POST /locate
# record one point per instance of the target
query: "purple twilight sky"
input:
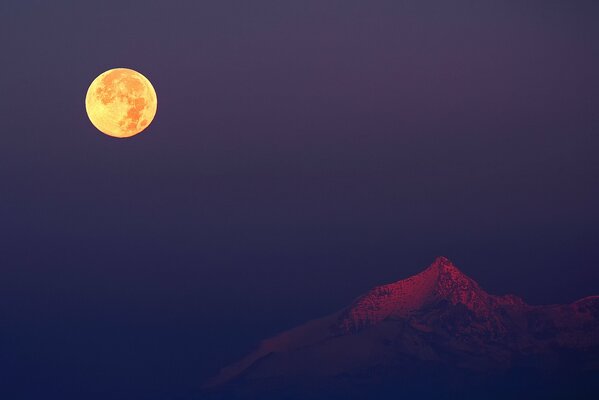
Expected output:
(303, 152)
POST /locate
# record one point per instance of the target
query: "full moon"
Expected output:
(121, 102)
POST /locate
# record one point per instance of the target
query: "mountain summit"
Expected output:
(438, 323)
(442, 281)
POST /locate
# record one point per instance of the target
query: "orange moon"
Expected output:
(121, 102)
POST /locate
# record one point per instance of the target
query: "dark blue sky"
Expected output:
(302, 153)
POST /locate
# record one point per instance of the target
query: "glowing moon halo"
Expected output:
(121, 102)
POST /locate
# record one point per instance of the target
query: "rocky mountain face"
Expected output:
(433, 333)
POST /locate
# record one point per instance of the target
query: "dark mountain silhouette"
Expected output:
(432, 335)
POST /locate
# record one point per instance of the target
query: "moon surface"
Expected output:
(121, 102)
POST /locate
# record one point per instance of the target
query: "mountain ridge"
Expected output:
(438, 318)
(441, 280)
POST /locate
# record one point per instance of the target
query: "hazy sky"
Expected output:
(303, 152)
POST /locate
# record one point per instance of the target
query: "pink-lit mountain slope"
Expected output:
(439, 318)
